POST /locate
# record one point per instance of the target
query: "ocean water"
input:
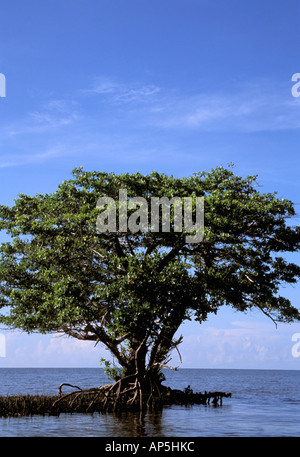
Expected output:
(264, 403)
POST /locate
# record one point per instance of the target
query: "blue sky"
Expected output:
(171, 85)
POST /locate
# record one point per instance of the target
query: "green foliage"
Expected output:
(58, 274)
(112, 372)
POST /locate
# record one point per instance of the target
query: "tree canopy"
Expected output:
(132, 291)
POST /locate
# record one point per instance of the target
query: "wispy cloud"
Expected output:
(248, 107)
(118, 93)
(26, 159)
(56, 113)
(129, 116)
(248, 110)
(51, 115)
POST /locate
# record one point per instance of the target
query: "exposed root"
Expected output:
(66, 384)
(128, 393)
(110, 398)
(124, 395)
(76, 393)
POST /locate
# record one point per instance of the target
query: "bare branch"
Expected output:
(98, 253)
(122, 338)
(266, 313)
(249, 279)
(164, 365)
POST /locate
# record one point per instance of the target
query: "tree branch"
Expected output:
(89, 333)
(130, 246)
(119, 248)
(168, 257)
(122, 338)
(265, 313)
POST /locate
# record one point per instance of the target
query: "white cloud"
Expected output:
(242, 345)
(37, 350)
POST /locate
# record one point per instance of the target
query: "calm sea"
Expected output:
(263, 403)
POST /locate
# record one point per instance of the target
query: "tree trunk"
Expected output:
(137, 361)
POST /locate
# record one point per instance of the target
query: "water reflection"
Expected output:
(134, 424)
(85, 425)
